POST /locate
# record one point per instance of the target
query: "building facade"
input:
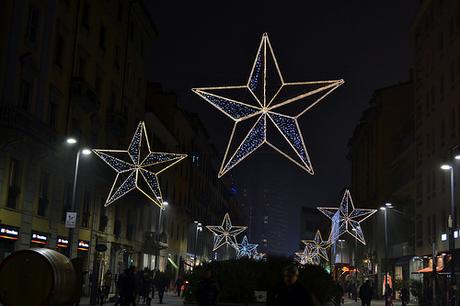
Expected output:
(382, 154)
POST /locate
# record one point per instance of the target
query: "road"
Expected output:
(169, 299)
(374, 303)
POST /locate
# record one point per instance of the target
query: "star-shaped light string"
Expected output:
(307, 256)
(318, 245)
(137, 168)
(246, 249)
(347, 219)
(226, 233)
(267, 109)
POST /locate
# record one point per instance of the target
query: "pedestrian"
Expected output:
(161, 282)
(178, 285)
(207, 290)
(290, 292)
(365, 293)
(405, 296)
(338, 298)
(354, 291)
(127, 287)
(107, 283)
(388, 295)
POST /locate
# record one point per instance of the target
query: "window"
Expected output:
(441, 89)
(86, 212)
(24, 94)
(43, 199)
(452, 123)
(120, 11)
(59, 50)
(102, 37)
(14, 183)
(32, 24)
(433, 183)
(81, 67)
(433, 218)
(443, 132)
(428, 229)
(131, 31)
(53, 107)
(116, 62)
(85, 16)
(419, 233)
(67, 200)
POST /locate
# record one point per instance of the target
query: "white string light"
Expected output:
(307, 256)
(226, 233)
(346, 220)
(246, 249)
(318, 245)
(266, 110)
(138, 168)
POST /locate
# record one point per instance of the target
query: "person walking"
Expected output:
(388, 295)
(207, 290)
(178, 285)
(127, 287)
(161, 282)
(405, 296)
(338, 298)
(290, 292)
(365, 293)
(107, 283)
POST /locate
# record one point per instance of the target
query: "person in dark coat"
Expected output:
(365, 294)
(405, 296)
(127, 287)
(290, 292)
(178, 285)
(161, 282)
(207, 290)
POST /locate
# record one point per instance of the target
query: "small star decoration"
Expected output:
(347, 219)
(226, 233)
(318, 245)
(137, 168)
(246, 249)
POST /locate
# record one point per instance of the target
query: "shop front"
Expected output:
(8, 237)
(62, 245)
(38, 240)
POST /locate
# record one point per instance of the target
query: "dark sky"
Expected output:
(211, 43)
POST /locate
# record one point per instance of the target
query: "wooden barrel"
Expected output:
(35, 277)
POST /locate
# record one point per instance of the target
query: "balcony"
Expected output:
(16, 118)
(116, 124)
(84, 97)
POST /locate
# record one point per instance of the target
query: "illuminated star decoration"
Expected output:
(137, 169)
(246, 249)
(307, 256)
(267, 108)
(347, 219)
(318, 245)
(226, 233)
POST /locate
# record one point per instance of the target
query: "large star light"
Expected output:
(271, 93)
(318, 245)
(246, 249)
(129, 173)
(347, 219)
(226, 233)
(307, 256)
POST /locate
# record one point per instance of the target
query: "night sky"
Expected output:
(213, 43)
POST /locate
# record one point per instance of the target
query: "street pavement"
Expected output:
(169, 299)
(374, 303)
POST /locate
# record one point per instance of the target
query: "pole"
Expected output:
(453, 226)
(386, 255)
(434, 272)
(73, 203)
(157, 250)
(196, 242)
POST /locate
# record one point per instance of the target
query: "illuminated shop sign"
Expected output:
(62, 242)
(9, 232)
(39, 238)
(83, 245)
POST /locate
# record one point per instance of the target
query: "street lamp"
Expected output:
(157, 253)
(199, 228)
(341, 241)
(385, 209)
(452, 224)
(85, 151)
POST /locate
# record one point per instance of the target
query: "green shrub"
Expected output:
(239, 278)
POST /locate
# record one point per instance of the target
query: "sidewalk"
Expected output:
(169, 299)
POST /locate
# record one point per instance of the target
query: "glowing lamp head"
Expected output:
(457, 156)
(71, 140)
(446, 167)
(383, 208)
(86, 151)
(165, 203)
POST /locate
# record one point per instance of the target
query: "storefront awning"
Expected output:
(428, 270)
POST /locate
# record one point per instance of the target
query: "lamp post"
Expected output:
(157, 249)
(199, 228)
(73, 208)
(452, 224)
(385, 209)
